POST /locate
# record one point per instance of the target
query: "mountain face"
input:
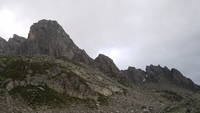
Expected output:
(133, 76)
(3, 46)
(165, 76)
(48, 73)
(45, 38)
(48, 38)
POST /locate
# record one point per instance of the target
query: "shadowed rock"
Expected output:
(47, 37)
(3, 46)
(14, 44)
(133, 75)
(106, 65)
(165, 77)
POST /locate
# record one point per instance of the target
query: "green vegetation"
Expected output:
(38, 95)
(43, 95)
(17, 68)
(103, 100)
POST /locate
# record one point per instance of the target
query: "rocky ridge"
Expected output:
(49, 64)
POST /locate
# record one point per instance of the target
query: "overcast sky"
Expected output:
(132, 32)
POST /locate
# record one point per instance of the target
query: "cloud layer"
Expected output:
(133, 32)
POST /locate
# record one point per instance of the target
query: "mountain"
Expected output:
(48, 73)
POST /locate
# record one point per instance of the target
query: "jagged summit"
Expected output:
(14, 44)
(47, 29)
(166, 78)
(47, 37)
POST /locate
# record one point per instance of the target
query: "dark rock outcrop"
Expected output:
(157, 73)
(157, 77)
(166, 77)
(106, 65)
(134, 76)
(3, 46)
(14, 44)
(48, 38)
(183, 81)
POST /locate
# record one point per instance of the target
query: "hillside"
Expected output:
(49, 73)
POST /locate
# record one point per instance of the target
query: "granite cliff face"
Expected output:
(47, 70)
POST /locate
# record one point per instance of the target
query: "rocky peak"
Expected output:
(47, 29)
(17, 39)
(47, 37)
(14, 44)
(179, 79)
(133, 75)
(156, 73)
(158, 69)
(163, 75)
(106, 65)
(3, 46)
